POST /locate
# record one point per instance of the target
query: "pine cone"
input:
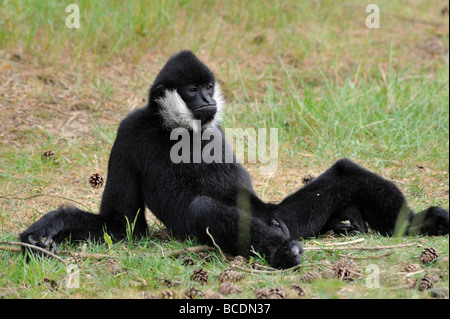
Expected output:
(439, 292)
(412, 268)
(194, 292)
(167, 294)
(169, 283)
(428, 255)
(188, 261)
(228, 288)
(327, 273)
(230, 275)
(298, 289)
(309, 276)
(272, 293)
(147, 295)
(346, 269)
(307, 178)
(200, 275)
(427, 282)
(257, 266)
(96, 180)
(237, 261)
(48, 155)
(205, 257)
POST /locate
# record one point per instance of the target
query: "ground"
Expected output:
(331, 86)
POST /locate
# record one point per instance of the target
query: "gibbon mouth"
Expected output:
(208, 108)
(205, 113)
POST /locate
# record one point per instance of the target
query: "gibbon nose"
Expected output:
(207, 98)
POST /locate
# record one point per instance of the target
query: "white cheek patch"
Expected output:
(174, 111)
(220, 103)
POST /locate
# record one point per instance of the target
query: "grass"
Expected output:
(141, 270)
(332, 87)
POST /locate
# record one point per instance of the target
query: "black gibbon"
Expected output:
(191, 196)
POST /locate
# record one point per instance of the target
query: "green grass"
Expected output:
(140, 269)
(377, 120)
(332, 87)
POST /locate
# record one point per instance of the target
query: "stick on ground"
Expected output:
(15, 243)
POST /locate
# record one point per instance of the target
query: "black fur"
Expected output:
(191, 197)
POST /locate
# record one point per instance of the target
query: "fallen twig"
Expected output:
(214, 242)
(409, 274)
(87, 255)
(16, 243)
(346, 242)
(261, 271)
(366, 257)
(13, 249)
(65, 252)
(196, 249)
(277, 271)
(360, 248)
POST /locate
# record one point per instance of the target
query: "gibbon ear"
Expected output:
(158, 91)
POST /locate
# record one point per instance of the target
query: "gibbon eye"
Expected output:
(209, 87)
(192, 90)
